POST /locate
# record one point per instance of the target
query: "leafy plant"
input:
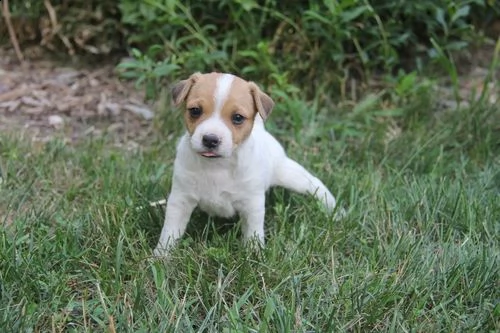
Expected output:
(312, 41)
(146, 71)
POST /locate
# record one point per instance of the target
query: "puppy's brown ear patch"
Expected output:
(181, 89)
(263, 103)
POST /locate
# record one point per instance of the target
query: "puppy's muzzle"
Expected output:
(210, 141)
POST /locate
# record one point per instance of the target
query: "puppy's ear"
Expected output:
(263, 103)
(181, 89)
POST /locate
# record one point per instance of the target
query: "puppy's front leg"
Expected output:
(295, 177)
(177, 214)
(252, 214)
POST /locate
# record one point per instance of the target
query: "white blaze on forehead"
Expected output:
(223, 86)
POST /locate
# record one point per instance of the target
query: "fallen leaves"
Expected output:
(47, 98)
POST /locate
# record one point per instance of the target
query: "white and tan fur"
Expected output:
(245, 161)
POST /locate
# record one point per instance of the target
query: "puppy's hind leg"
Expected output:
(295, 177)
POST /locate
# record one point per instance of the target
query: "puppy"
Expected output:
(226, 160)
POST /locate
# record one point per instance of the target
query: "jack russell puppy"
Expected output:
(226, 160)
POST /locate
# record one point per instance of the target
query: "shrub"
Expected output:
(271, 41)
(312, 41)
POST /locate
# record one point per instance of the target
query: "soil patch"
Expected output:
(43, 98)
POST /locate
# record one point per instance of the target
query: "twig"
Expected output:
(56, 27)
(162, 202)
(14, 94)
(12, 32)
(111, 326)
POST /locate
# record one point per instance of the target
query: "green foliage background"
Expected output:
(270, 41)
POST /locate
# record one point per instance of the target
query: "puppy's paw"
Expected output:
(254, 248)
(329, 204)
(161, 253)
(327, 200)
(339, 214)
(254, 243)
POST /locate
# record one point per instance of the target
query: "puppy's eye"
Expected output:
(237, 119)
(195, 112)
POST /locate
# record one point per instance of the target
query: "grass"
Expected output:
(418, 250)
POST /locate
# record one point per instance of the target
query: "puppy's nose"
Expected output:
(210, 141)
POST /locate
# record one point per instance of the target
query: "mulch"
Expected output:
(43, 98)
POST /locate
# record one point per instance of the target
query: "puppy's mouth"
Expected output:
(210, 154)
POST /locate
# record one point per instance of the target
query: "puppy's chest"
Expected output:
(219, 192)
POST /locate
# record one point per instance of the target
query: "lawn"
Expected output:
(418, 250)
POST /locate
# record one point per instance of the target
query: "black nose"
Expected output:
(210, 141)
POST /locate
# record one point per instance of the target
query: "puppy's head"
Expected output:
(220, 110)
